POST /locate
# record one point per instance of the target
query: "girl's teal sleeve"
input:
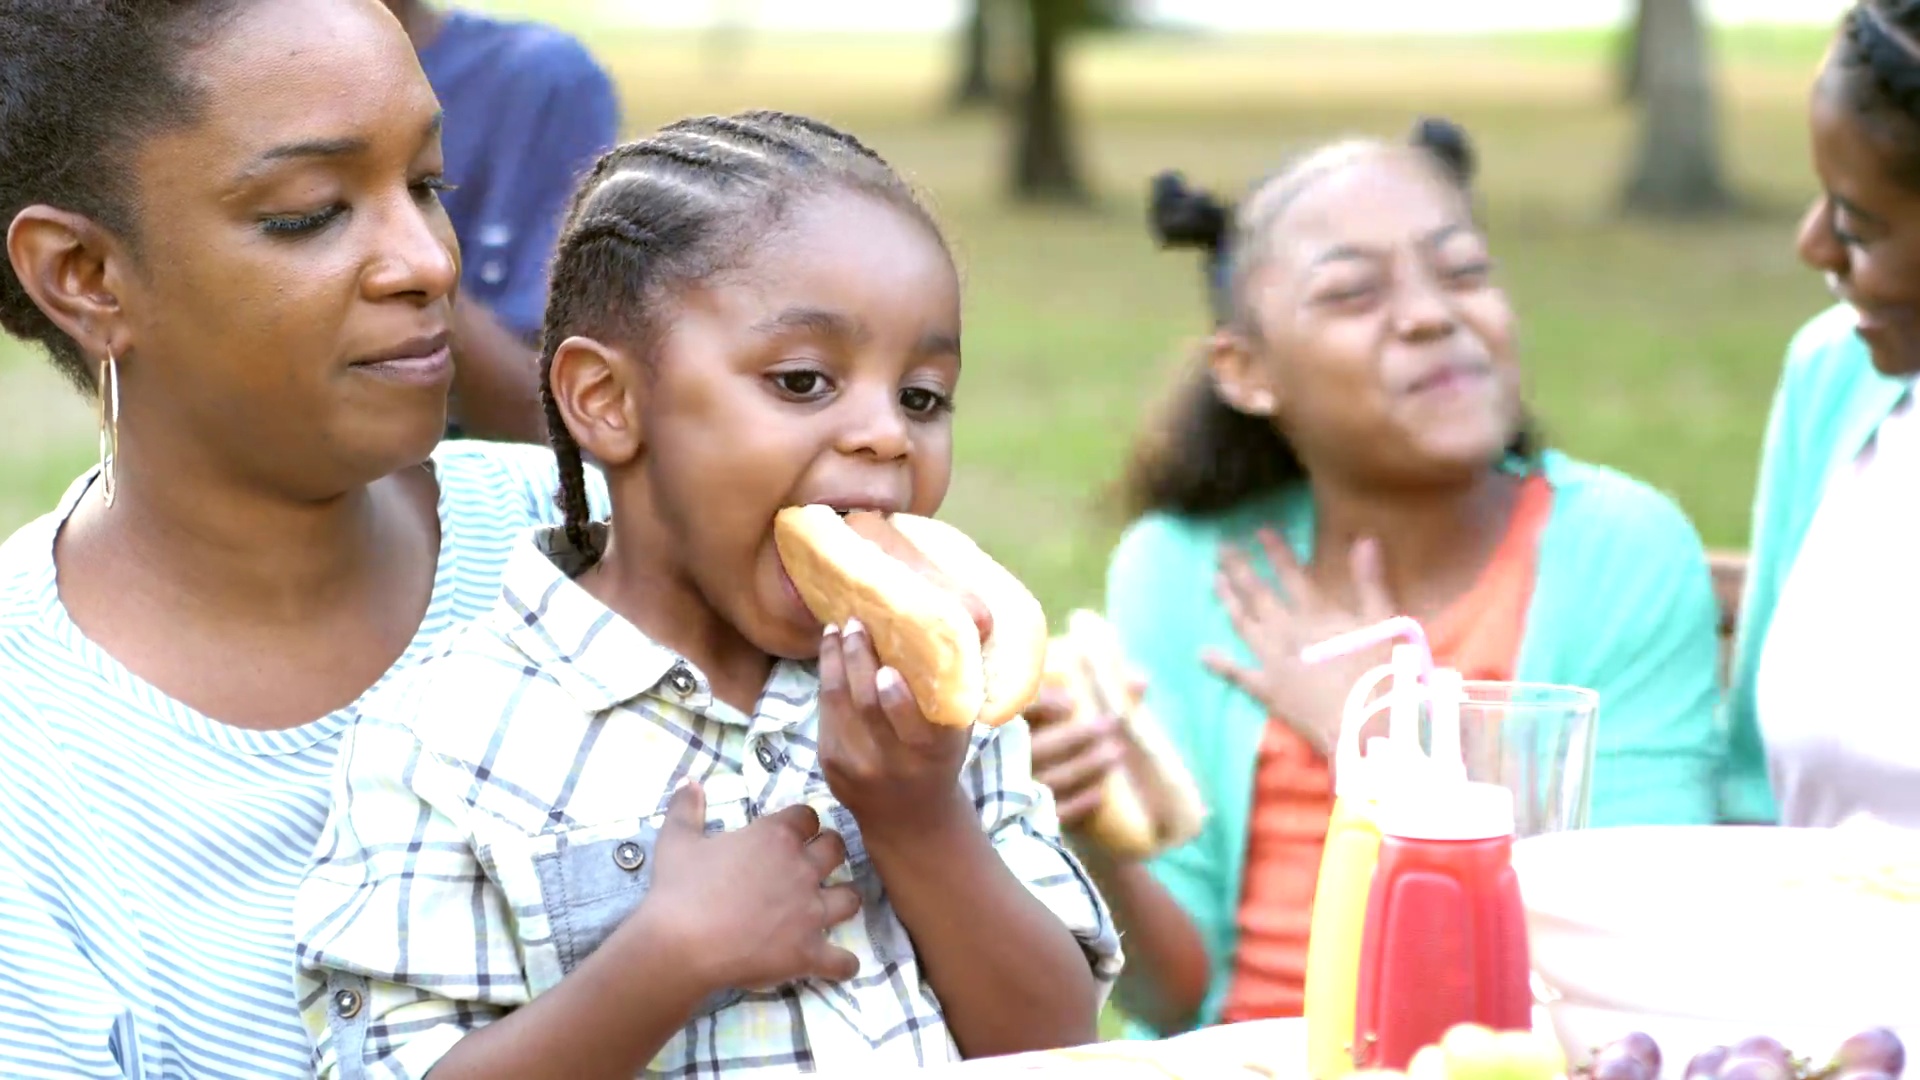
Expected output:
(1158, 587)
(1625, 606)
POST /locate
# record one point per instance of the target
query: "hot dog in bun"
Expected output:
(1150, 802)
(967, 637)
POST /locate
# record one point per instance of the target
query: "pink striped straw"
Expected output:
(1397, 628)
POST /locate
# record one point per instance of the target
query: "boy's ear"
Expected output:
(600, 390)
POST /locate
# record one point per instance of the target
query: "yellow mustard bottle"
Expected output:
(1347, 862)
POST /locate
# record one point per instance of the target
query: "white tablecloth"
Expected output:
(1264, 1048)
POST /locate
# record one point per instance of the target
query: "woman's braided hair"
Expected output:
(675, 208)
(1206, 457)
(1877, 53)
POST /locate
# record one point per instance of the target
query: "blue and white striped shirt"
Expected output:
(148, 854)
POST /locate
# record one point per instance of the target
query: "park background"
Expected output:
(1652, 330)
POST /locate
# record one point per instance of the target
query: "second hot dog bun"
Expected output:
(1150, 802)
(924, 620)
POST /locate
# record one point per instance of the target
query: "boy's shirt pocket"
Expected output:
(570, 888)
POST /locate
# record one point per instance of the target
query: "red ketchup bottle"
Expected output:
(1445, 940)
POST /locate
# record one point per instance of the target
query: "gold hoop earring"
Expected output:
(109, 424)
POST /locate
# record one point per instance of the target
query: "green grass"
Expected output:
(1652, 348)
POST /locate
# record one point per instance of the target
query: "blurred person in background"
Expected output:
(1819, 703)
(1356, 436)
(528, 111)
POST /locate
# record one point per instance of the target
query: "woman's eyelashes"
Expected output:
(809, 385)
(291, 225)
(426, 191)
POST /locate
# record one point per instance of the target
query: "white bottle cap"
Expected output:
(1434, 809)
(1356, 776)
(1409, 694)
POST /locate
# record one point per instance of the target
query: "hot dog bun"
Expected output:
(1150, 803)
(921, 627)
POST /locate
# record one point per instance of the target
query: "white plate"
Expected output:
(1700, 936)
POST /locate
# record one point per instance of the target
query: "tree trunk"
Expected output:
(1632, 59)
(975, 85)
(1676, 171)
(1045, 168)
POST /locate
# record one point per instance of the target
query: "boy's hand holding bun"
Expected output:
(927, 642)
(895, 771)
(926, 636)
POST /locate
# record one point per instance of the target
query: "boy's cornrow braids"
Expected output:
(666, 209)
(609, 163)
(711, 166)
(576, 511)
(602, 227)
(731, 132)
(827, 132)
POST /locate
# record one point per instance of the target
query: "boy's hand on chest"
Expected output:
(746, 908)
(897, 773)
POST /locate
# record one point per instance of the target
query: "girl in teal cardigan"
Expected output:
(1353, 281)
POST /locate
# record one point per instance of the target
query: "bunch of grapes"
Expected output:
(1876, 1054)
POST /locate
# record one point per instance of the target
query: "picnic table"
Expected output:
(1257, 1050)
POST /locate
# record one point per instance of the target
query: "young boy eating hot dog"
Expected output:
(588, 839)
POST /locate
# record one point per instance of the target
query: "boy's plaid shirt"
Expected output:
(494, 818)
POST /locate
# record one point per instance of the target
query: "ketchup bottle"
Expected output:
(1445, 940)
(1351, 852)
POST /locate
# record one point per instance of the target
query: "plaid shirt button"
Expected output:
(347, 1004)
(629, 856)
(681, 680)
(768, 758)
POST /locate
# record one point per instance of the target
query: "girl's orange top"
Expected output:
(1479, 636)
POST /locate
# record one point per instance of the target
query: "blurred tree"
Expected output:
(1046, 164)
(975, 85)
(726, 38)
(1631, 59)
(1676, 170)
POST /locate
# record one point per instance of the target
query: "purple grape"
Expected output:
(1617, 1061)
(1706, 1064)
(1766, 1048)
(1641, 1046)
(1873, 1051)
(1738, 1067)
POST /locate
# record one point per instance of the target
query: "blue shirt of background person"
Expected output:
(528, 112)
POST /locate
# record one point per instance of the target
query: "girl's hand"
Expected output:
(1307, 698)
(1074, 754)
(896, 771)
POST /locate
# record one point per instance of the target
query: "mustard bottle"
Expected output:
(1351, 852)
